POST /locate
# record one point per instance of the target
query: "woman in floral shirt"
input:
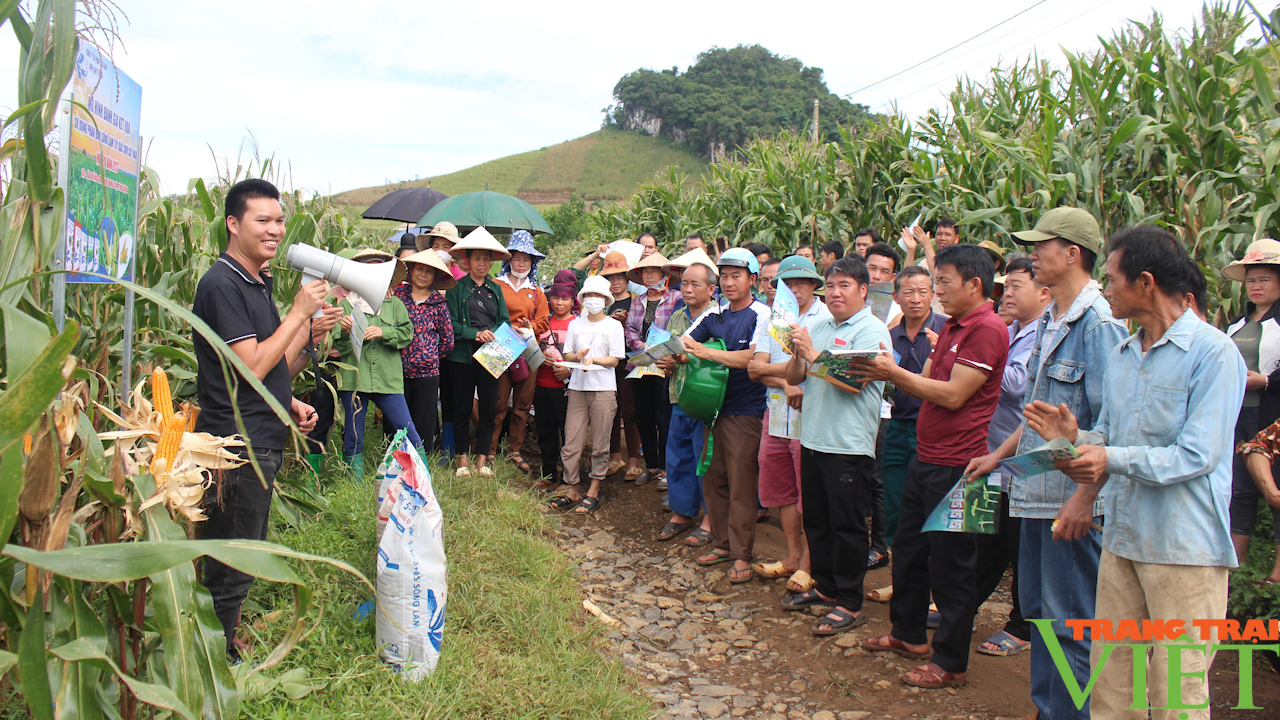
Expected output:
(432, 337)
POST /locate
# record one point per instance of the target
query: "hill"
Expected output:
(608, 164)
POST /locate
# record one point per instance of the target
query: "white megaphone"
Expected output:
(368, 280)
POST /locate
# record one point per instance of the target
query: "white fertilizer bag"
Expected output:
(412, 584)
(386, 477)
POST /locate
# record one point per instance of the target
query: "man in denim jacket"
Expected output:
(1059, 549)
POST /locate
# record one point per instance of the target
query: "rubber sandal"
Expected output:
(931, 680)
(587, 506)
(672, 529)
(845, 621)
(875, 560)
(801, 582)
(716, 558)
(771, 571)
(632, 474)
(698, 538)
(882, 595)
(518, 460)
(462, 472)
(895, 646)
(737, 580)
(562, 503)
(485, 471)
(1008, 644)
(614, 467)
(545, 485)
(806, 600)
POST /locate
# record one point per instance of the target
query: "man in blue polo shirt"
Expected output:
(730, 486)
(234, 298)
(838, 448)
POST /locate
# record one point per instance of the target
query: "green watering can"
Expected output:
(700, 386)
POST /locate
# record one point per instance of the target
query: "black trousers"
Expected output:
(470, 380)
(878, 523)
(321, 398)
(941, 563)
(836, 491)
(238, 508)
(653, 420)
(995, 553)
(550, 406)
(421, 395)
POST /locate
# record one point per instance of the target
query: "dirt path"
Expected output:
(710, 649)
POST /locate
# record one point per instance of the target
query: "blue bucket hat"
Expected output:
(522, 241)
(797, 267)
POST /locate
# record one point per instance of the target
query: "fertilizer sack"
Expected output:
(387, 475)
(412, 583)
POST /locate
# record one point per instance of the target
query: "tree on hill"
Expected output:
(728, 97)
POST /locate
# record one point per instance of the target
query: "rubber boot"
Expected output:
(316, 461)
(356, 463)
(446, 440)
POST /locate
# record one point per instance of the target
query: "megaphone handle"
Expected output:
(307, 279)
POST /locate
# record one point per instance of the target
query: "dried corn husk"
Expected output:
(40, 480)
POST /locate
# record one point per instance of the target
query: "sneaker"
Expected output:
(661, 484)
(666, 502)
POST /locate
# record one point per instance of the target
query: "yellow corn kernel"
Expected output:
(161, 398)
(170, 440)
(26, 444)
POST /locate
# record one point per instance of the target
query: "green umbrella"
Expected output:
(495, 211)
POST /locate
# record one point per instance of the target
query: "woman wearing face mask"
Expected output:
(527, 305)
(477, 308)
(649, 393)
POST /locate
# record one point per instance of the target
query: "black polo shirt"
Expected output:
(237, 304)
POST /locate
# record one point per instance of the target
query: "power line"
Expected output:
(944, 52)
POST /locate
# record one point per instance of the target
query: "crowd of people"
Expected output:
(980, 356)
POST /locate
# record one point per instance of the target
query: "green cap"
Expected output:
(1071, 224)
(797, 267)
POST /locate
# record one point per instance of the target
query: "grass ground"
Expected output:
(515, 641)
(605, 165)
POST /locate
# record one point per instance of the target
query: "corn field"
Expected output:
(1176, 131)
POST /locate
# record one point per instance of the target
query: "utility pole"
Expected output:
(814, 129)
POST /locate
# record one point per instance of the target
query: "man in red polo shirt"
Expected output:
(960, 387)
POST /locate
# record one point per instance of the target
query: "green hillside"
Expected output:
(605, 165)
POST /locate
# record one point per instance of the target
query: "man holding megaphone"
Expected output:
(234, 298)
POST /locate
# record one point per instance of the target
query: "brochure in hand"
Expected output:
(784, 420)
(498, 354)
(835, 365)
(1041, 459)
(970, 507)
(359, 324)
(785, 313)
(880, 298)
(580, 366)
(658, 344)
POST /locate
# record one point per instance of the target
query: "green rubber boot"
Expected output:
(356, 463)
(315, 460)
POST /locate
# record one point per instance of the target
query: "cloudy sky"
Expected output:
(358, 94)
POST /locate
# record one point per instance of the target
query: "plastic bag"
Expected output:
(412, 580)
(387, 475)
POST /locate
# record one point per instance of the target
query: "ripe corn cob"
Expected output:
(161, 398)
(170, 440)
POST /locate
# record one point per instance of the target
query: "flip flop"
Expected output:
(895, 646)
(882, 595)
(806, 600)
(845, 621)
(1008, 644)
(561, 503)
(587, 506)
(801, 582)
(738, 580)
(931, 680)
(698, 538)
(770, 571)
(716, 558)
(672, 529)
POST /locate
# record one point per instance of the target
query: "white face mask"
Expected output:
(519, 275)
(445, 257)
(593, 305)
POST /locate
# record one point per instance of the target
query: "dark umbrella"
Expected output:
(406, 206)
(494, 210)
